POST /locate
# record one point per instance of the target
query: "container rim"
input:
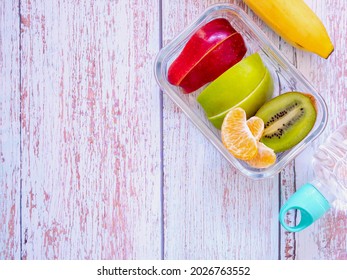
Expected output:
(269, 49)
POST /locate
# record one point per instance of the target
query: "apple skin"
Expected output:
(252, 102)
(213, 49)
(248, 85)
(232, 86)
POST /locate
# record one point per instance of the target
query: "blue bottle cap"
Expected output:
(310, 202)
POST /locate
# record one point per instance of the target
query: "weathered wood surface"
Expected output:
(111, 168)
(90, 130)
(9, 131)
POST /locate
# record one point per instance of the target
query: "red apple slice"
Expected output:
(211, 50)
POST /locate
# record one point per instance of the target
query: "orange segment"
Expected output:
(236, 135)
(264, 158)
(256, 125)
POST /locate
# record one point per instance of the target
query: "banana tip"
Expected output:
(329, 54)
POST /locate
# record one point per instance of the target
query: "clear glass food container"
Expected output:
(285, 76)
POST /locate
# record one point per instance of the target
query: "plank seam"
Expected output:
(279, 225)
(161, 120)
(295, 62)
(20, 135)
(295, 217)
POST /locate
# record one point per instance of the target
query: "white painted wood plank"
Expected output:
(91, 130)
(211, 211)
(9, 131)
(326, 239)
(287, 177)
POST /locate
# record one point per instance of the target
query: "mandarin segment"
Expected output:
(236, 135)
(264, 158)
(256, 125)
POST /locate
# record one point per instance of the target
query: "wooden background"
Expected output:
(98, 163)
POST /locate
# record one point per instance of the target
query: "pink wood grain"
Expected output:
(90, 130)
(9, 131)
(288, 239)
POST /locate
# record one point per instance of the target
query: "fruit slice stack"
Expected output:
(248, 85)
(211, 50)
(239, 89)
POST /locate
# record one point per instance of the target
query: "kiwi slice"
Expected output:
(288, 118)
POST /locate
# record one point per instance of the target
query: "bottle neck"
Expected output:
(324, 190)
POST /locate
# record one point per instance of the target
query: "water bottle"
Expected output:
(330, 168)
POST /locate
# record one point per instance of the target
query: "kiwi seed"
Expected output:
(288, 118)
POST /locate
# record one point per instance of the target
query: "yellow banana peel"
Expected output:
(296, 23)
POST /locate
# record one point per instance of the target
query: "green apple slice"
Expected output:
(252, 102)
(232, 86)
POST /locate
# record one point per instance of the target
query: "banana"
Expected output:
(296, 23)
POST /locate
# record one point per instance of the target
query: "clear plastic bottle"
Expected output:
(330, 168)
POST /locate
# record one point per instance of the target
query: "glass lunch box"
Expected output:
(285, 77)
